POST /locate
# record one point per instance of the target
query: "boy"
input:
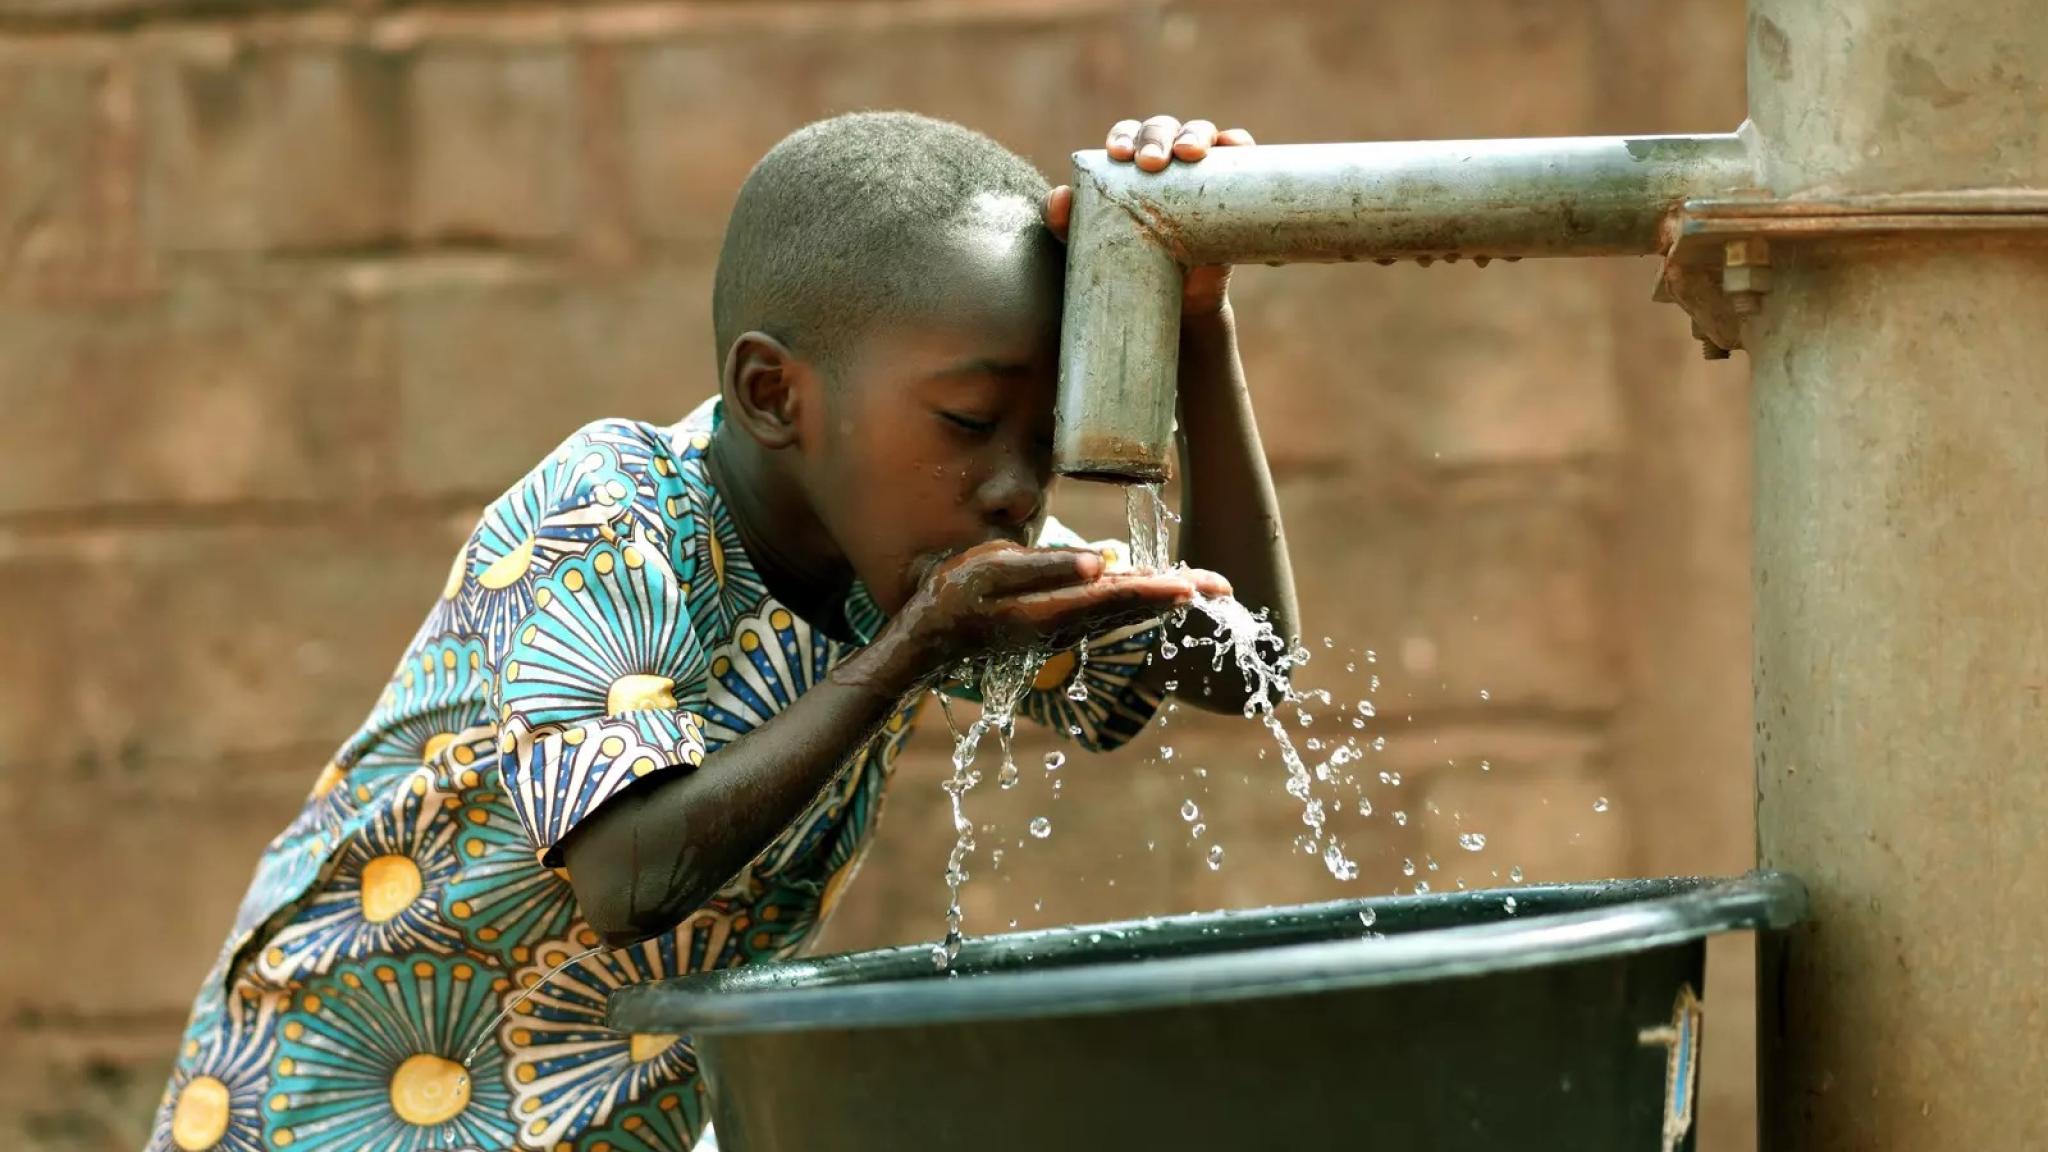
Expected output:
(557, 773)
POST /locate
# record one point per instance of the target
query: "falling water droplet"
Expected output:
(1368, 917)
(1401, 818)
(1166, 751)
(1364, 806)
(1407, 867)
(1472, 841)
(1508, 905)
(1198, 829)
(1484, 695)
(1600, 805)
(1215, 857)
(1006, 776)
(1486, 765)
(1188, 811)
(1515, 874)
(1421, 887)
(1041, 827)
(1053, 761)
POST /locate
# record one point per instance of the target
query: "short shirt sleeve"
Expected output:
(603, 679)
(1100, 699)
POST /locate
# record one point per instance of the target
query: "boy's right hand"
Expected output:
(1003, 596)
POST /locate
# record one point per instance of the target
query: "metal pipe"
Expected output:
(1134, 232)
(1901, 628)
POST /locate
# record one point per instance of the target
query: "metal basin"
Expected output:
(1570, 1022)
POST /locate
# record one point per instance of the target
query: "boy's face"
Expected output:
(937, 433)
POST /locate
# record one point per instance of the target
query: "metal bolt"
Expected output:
(1746, 274)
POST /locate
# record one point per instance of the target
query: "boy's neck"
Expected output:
(789, 547)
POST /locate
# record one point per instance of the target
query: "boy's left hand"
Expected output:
(1155, 144)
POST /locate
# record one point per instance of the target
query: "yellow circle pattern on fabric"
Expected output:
(201, 1118)
(390, 885)
(508, 569)
(428, 1090)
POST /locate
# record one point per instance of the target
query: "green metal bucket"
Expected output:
(1569, 1020)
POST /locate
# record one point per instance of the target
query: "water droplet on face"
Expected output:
(1041, 827)
(1515, 874)
(1215, 857)
(1600, 805)
(1053, 761)
(1188, 811)
(1472, 841)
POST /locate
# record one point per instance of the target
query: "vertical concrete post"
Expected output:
(1901, 585)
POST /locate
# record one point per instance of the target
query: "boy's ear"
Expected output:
(762, 388)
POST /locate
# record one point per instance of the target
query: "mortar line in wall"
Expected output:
(517, 22)
(59, 523)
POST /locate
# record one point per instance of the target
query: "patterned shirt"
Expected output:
(601, 624)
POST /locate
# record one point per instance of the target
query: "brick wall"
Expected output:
(288, 289)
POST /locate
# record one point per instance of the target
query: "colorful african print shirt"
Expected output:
(601, 624)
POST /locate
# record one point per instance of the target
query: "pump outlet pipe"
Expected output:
(1134, 233)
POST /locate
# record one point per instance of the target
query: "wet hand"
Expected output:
(1002, 596)
(1153, 145)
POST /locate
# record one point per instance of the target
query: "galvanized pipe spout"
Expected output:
(1134, 233)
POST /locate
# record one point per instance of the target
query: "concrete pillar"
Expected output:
(1901, 584)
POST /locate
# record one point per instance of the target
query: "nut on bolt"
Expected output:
(1746, 274)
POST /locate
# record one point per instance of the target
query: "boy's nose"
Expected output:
(1010, 500)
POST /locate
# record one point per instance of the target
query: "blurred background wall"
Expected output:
(290, 288)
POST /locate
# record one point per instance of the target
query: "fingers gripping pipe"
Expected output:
(1133, 233)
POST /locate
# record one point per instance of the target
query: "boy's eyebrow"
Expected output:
(982, 365)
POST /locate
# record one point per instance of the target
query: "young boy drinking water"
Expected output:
(649, 720)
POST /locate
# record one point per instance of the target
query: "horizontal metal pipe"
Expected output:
(1563, 196)
(1133, 233)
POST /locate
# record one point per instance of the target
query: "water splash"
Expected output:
(1249, 643)
(1002, 680)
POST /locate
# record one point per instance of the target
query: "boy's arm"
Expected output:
(654, 853)
(1230, 517)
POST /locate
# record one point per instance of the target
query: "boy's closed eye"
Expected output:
(977, 425)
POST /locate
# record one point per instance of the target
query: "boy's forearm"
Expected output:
(1230, 514)
(654, 854)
